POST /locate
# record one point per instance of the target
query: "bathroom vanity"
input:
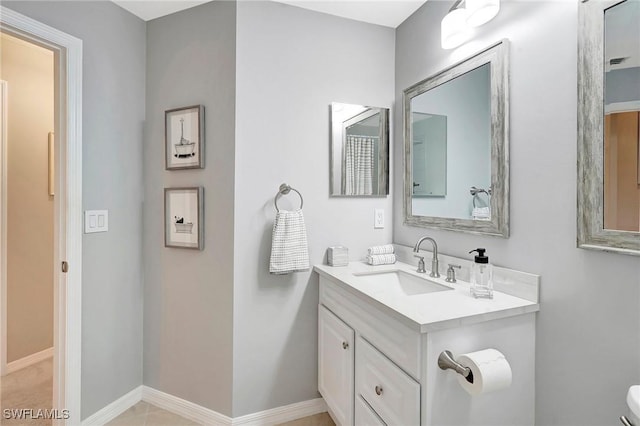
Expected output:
(382, 328)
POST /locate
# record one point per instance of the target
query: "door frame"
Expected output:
(67, 334)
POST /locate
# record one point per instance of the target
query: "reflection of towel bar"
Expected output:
(475, 191)
(284, 190)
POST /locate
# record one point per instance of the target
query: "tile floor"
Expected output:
(144, 414)
(31, 387)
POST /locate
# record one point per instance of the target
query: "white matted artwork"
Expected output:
(184, 138)
(183, 213)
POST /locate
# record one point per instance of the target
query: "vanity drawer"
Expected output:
(393, 395)
(365, 416)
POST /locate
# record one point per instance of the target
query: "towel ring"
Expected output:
(284, 190)
(476, 191)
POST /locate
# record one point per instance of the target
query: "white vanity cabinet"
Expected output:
(368, 388)
(335, 365)
(378, 367)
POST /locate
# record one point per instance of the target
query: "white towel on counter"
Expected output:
(385, 249)
(381, 259)
(289, 249)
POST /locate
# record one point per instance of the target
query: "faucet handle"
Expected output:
(451, 273)
(421, 268)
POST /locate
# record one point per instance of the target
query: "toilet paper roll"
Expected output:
(491, 371)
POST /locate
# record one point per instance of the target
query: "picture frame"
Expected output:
(184, 138)
(184, 217)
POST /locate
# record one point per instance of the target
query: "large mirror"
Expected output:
(609, 126)
(359, 151)
(456, 147)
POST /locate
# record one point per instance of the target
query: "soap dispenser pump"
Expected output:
(481, 275)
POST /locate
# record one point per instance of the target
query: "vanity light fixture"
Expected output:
(455, 28)
(481, 11)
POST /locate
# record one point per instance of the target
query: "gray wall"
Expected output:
(187, 293)
(589, 300)
(113, 115)
(291, 64)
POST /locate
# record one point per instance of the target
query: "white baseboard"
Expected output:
(283, 414)
(200, 414)
(206, 416)
(184, 408)
(29, 360)
(114, 409)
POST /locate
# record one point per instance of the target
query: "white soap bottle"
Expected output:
(481, 275)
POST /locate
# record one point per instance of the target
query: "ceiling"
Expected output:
(389, 13)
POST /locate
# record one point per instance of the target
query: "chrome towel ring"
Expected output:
(284, 190)
(476, 191)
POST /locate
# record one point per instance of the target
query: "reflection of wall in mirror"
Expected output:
(465, 101)
(622, 119)
(622, 56)
(429, 152)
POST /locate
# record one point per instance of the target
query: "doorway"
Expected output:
(65, 182)
(28, 190)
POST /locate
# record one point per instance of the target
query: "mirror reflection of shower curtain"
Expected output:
(359, 153)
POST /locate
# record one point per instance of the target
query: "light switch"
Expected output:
(96, 221)
(378, 218)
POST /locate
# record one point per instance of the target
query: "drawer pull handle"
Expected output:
(345, 345)
(378, 390)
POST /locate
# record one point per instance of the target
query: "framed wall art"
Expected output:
(183, 217)
(184, 138)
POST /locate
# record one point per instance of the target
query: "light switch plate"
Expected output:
(378, 218)
(96, 221)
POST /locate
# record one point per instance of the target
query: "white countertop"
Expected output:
(432, 311)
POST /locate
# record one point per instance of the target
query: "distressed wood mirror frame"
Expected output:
(591, 232)
(498, 56)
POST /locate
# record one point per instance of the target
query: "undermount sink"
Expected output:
(400, 282)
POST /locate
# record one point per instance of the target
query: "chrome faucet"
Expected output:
(434, 261)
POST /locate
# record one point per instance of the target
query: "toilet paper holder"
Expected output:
(446, 362)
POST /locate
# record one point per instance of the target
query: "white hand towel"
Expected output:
(289, 249)
(385, 249)
(481, 213)
(381, 259)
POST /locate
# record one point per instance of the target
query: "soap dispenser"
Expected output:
(481, 275)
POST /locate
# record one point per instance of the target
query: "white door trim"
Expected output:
(67, 287)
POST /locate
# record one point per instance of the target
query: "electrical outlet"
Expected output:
(378, 218)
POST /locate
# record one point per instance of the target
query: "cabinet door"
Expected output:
(335, 365)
